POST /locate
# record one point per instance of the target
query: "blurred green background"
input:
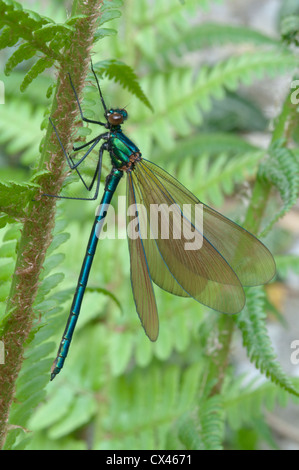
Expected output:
(117, 389)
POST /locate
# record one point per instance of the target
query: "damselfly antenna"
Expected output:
(99, 88)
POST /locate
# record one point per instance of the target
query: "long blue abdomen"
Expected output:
(111, 184)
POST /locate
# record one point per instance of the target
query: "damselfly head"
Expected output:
(116, 117)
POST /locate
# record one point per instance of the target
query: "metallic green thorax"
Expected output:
(121, 148)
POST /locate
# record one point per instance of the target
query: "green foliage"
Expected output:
(35, 70)
(289, 29)
(14, 197)
(286, 264)
(39, 33)
(20, 130)
(119, 388)
(222, 172)
(8, 257)
(145, 416)
(282, 169)
(251, 322)
(244, 403)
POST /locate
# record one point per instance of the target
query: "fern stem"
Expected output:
(38, 225)
(258, 204)
(220, 358)
(285, 123)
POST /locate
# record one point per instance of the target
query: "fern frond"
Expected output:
(14, 197)
(159, 398)
(8, 37)
(24, 52)
(289, 29)
(142, 406)
(188, 433)
(7, 259)
(123, 74)
(213, 177)
(108, 13)
(20, 130)
(244, 402)
(211, 417)
(49, 31)
(251, 322)
(204, 431)
(217, 177)
(39, 67)
(104, 32)
(282, 170)
(22, 22)
(39, 34)
(210, 143)
(35, 97)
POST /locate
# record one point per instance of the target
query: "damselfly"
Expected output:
(226, 258)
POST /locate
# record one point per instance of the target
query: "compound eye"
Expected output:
(124, 113)
(115, 119)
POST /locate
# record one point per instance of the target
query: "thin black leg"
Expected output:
(96, 177)
(80, 109)
(75, 165)
(76, 149)
(97, 174)
(104, 146)
(94, 142)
